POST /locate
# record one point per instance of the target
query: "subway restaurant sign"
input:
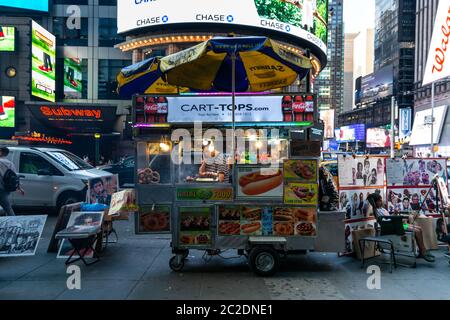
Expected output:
(205, 194)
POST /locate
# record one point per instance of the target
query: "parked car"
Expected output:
(50, 177)
(125, 170)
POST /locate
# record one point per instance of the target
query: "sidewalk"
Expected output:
(137, 268)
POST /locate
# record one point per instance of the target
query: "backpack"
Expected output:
(11, 181)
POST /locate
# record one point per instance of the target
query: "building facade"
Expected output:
(394, 46)
(349, 71)
(330, 84)
(86, 32)
(426, 14)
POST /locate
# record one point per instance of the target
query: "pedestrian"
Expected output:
(6, 165)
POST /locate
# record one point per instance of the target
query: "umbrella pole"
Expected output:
(233, 103)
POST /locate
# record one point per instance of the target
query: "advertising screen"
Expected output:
(328, 118)
(421, 133)
(72, 78)
(7, 38)
(378, 138)
(7, 112)
(306, 19)
(405, 117)
(354, 132)
(43, 46)
(39, 5)
(377, 85)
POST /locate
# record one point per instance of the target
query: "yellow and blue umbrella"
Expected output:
(257, 63)
(144, 78)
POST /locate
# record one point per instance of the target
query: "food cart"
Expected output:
(263, 203)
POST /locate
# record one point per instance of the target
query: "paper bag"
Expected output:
(369, 246)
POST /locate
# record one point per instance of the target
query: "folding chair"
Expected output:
(391, 237)
(82, 242)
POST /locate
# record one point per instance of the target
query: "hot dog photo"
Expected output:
(301, 193)
(256, 182)
(251, 220)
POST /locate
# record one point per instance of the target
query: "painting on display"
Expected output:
(354, 202)
(361, 171)
(20, 235)
(79, 221)
(101, 189)
(414, 172)
(411, 199)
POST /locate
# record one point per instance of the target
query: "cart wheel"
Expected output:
(185, 254)
(176, 263)
(264, 261)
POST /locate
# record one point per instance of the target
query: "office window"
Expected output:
(107, 72)
(70, 37)
(107, 33)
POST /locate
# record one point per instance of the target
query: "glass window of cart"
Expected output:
(202, 161)
(153, 162)
(262, 146)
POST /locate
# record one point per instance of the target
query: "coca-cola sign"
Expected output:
(437, 63)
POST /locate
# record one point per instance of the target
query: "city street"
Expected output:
(137, 268)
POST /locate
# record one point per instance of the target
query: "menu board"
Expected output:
(414, 172)
(361, 171)
(154, 220)
(267, 221)
(256, 182)
(195, 227)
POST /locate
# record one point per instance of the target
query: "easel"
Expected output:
(440, 187)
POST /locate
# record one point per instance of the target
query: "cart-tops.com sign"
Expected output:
(218, 109)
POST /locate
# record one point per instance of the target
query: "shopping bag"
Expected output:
(369, 246)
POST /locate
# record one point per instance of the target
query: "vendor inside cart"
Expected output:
(214, 165)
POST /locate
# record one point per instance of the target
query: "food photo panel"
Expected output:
(229, 221)
(301, 193)
(251, 220)
(300, 170)
(195, 226)
(154, 219)
(255, 182)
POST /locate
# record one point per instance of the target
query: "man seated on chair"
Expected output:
(381, 211)
(443, 235)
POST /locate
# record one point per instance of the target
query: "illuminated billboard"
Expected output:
(38, 5)
(351, 133)
(7, 112)
(305, 19)
(377, 85)
(378, 138)
(43, 46)
(72, 78)
(7, 38)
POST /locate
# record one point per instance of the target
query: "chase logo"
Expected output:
(164, 19)
(230, 18)
(288, 28)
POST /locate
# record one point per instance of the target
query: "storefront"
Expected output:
(86, 130)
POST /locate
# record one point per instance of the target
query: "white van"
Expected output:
(50, 177)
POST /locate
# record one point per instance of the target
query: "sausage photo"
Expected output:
(256, 183)
(251, 227)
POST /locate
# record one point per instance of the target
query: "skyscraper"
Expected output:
(348, 71)
(330, 83)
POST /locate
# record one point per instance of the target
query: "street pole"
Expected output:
(432, 120)
(233, 102)
(392, 126)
